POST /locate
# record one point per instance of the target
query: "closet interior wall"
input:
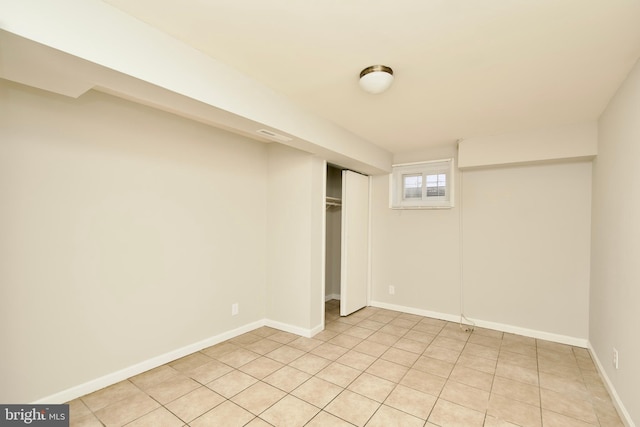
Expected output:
(333, 236)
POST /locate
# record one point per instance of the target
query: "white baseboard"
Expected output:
(417, 311)
(563, 339)
(307, 333)
(533, 333)
(121, 375)
(115, 377)
(617, 402)
(331, 296)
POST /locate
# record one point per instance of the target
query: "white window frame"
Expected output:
(433, 167)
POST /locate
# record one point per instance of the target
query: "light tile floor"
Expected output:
(375, 368)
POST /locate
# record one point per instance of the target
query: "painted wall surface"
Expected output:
(126, 233)
(294, 236)
(87, 33)
(526, 234)
(416, 251)
(525, 245)
(615, 270)
(566, 142)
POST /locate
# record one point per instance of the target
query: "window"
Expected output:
(424, 185)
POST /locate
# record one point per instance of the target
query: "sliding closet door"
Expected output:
(355, 242)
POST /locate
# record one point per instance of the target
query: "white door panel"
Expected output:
(355, 242)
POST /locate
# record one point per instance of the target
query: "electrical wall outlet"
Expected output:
(392, 290)
(616, 359)
(234, 309)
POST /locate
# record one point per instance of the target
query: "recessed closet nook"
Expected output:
(347, 239)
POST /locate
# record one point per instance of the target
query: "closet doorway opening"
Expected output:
(346, 242)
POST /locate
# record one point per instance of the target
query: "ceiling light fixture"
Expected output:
(376, 78)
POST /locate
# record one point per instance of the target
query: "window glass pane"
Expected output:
(412, 186)
(436, 185)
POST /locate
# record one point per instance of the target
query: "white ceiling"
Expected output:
(463, 68)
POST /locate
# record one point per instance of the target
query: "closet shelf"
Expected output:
(333, 202)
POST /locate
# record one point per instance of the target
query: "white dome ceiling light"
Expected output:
(376, 78)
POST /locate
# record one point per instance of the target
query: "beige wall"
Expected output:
(416, 251)
(295, 258)
(615, 268)
(126, 232)
(525, 246)
(207, 89)
(565, 142)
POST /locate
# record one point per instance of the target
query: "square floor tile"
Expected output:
(446, 413)
(387, 370)
(195, 403)
(344, 340)
(246, 339)
(442, 353)
(221, 349)
(551, 419)
(478, 363)
(517, 373)
(238, 357)
(283, 337)
(410, 345)
(172, 389)
(472, 377)
(329, 351)
(424, 382)
(227, 414)
(411, 401)
(359, 332)
(318, 392)
(387, 416)
(338, 374)
(325, 419)
(309, 363)
(449, 343)
(285, 354)
(514, 412)
(433, 366)
(153, 377)
(157, 417)
(401, 357)
(383, 338)
(566, 404)
(208, 372)
(232, 383)
(261, 367)
(264, 346)
(372, 387)
(190, 362)
(356, 360)
(464, 395)
(258, 422)
(371, 348)
(258, 397)
(78, 409)
(287, 378)
(516, 390)
(109, 395)
(305, 344)
(126, 410)
(352, 407)
(290, 412)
